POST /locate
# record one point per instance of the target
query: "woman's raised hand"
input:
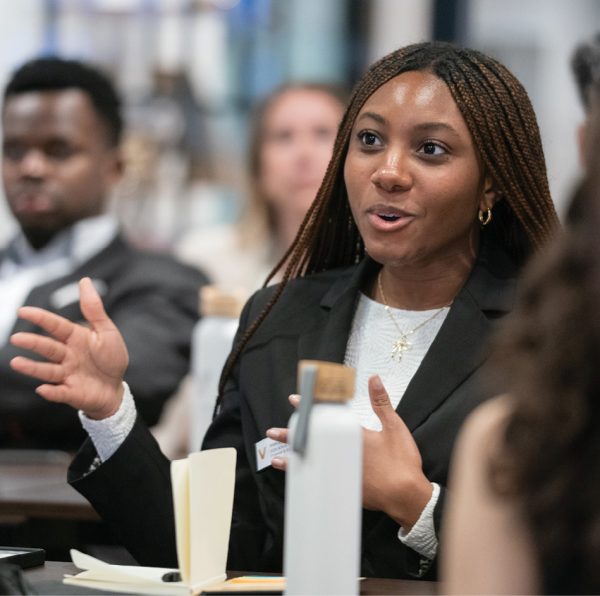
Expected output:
(84, 365)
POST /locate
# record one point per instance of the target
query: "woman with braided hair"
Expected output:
(434, 198)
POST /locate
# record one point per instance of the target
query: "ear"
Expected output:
(490, 195)
(115, 165)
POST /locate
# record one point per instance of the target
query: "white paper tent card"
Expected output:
(203, 487)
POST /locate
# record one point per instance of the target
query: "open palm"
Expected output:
(84, 365)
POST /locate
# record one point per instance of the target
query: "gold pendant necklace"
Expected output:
(401, 345)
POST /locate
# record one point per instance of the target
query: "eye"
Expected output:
(281, 137)
(14, 151)
(59, 150)
(433, 148)
(369, 139)
(324, 133)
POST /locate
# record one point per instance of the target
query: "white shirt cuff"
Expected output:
(109, 433)
(422, 537)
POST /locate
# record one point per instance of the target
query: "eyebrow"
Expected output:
(422, 127)
(436, 126)
(373, 116)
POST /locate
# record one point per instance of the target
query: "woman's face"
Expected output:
(413, 176)
(298, 134)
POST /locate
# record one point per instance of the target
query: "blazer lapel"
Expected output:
(455, 353)
(328, 341)
(459, 348)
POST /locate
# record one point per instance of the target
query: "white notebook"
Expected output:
(203, 487)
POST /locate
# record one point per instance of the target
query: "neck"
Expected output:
(39, 239)
(422, 288)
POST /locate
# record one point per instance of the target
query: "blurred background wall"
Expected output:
(191, 70)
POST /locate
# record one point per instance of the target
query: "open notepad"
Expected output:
(203, 486)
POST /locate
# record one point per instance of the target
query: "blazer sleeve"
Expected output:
(132, 492)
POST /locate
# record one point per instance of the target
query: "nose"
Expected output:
(393, 173)
(306, 152)
(34, 164)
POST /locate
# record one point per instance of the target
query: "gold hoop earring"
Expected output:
(485, 217)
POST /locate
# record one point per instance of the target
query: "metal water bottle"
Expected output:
(211, 343)
(323, 494)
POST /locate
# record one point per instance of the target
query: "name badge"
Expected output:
(266, 450)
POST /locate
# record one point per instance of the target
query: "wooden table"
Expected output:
(48, 580)
(34, 485)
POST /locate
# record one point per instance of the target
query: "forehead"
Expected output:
(415, 95)
(296, 105)
(67, 112)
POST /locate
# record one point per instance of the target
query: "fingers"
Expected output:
(380, 402)
(45, 371)
(279, 463)
(56, 326)
(53, 393)
(294, 399)
(278, 434)
(44, 346)
(92, 307)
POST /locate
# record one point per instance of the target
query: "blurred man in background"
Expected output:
(62, 126)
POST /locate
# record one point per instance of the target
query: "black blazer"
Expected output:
(152, 299)
(312, 319)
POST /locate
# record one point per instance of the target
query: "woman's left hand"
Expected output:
(393, 479)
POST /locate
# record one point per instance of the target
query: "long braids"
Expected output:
(501, 120)
(510, 146)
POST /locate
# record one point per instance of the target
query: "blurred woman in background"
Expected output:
(291, 141)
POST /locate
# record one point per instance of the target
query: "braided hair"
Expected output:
(501, 120)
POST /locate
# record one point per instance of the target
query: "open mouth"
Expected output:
(387, 218)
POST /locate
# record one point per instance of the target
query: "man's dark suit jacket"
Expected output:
(312, 319)
(152, 299)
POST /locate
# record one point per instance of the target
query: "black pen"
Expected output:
(172, 576)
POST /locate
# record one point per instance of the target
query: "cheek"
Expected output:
(272, 166)
(457, 192)
(356, 180)
(85, 180)
(7, 172)
(349, 176)
(321, 161)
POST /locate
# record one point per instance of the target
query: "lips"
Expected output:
(32, 203)
(387, 218)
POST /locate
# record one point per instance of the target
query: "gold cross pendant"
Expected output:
(400, 346)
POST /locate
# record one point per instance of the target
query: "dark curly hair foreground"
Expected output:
(549, 349)
(502, 122)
